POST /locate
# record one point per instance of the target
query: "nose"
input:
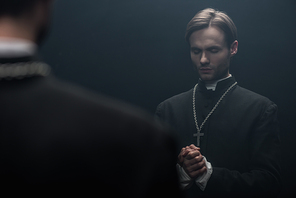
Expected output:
(204, 59)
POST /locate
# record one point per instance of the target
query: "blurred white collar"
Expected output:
(16, 47)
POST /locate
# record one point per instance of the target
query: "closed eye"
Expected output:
(195, 50)
(214, 50)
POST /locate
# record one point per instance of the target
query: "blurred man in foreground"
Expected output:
(59, 138)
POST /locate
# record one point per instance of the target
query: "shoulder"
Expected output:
(176, 105)
(250, 95)
(104, 111)
(81, 96)
(179, 98)
(249, 98)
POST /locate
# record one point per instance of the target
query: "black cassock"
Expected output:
(241, 138)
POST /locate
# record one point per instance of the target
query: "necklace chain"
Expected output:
(22, 70)
(212, 111)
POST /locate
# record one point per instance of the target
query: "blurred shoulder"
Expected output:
(105, 109)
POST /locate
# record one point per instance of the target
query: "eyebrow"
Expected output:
(194, 48)
(208, 48)
(214, 47)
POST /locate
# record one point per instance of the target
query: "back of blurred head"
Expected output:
(26, 19)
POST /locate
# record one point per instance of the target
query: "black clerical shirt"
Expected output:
(241, 138)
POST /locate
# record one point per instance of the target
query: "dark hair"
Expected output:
(16, 7)
(211, 17)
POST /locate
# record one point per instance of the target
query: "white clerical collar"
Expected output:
(211, 85)
(16, 47)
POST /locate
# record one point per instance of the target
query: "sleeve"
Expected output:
(186, 182)
(203, 181)
(263, 177)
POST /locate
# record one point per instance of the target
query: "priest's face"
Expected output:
(210, 53)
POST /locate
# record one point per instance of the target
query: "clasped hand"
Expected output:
(192, 161)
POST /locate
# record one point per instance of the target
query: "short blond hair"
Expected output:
(211, 17)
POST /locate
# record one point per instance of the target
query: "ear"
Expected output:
(42, 8)
(233, 48)
(50, 3)
(47, 4)
(43, 11)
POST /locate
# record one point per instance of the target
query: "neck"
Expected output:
(16, 28)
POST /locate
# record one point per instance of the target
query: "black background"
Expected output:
(135, 50)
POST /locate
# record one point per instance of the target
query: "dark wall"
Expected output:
(135, 51)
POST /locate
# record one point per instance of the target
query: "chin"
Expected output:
(207, 77)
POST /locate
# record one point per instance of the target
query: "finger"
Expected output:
(198, 160)
(182, 150)
(180, 160)
(180, 156)
(192, 146)
(196, 166)
(188, 148)
(197, 173)
(185, 152)
(193, 154)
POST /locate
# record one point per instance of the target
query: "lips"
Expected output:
(205, 69)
